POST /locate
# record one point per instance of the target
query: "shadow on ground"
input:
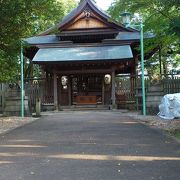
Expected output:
(88, 145)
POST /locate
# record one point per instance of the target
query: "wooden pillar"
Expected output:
(69, 91)
(160, 60)
(55, 92)
(113, 90)
(133, 74)
(133, 67)
(103, 91)
(136, 83)
(59, 94)
(136, 64)
(3, 90)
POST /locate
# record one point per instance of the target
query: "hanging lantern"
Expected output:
(107, 79)
(64, 80)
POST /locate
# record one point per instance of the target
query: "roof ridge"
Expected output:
(77, 11)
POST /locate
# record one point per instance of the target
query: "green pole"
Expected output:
(142, 69)
(22, 81)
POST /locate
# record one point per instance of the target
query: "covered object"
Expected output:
(170, 106)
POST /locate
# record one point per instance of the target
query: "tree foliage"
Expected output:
(21, 19)
(162, 17)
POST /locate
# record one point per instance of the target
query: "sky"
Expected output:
(104, 4)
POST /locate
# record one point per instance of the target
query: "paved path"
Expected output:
(90, 146)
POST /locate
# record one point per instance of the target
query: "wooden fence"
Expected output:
(3, 88)
(171, 85)
(1, 98)
(39, 89)
(128, 88)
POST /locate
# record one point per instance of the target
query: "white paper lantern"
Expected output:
(107, 79)
(64, 80)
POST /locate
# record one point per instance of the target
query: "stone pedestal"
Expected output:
(13, 103)
(153, 99)
(154, 95)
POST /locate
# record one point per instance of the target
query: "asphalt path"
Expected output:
(88, 146)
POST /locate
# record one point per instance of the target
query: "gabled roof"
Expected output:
(77, 11)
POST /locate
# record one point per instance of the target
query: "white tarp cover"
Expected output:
(170, 106)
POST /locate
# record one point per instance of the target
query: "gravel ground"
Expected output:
(157, 122)
(10, 123)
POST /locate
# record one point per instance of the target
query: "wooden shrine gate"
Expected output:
(84, 89)
(87, 90)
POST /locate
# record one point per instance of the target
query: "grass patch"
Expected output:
(175, 133)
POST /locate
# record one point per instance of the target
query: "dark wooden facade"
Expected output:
(92, 34)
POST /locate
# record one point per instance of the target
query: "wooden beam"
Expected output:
(133, 67)
(84, 71)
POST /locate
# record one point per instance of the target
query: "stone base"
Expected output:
(13, 104)
(152, 110)
(47, 107)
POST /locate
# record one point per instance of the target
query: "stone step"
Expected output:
(84, 108)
